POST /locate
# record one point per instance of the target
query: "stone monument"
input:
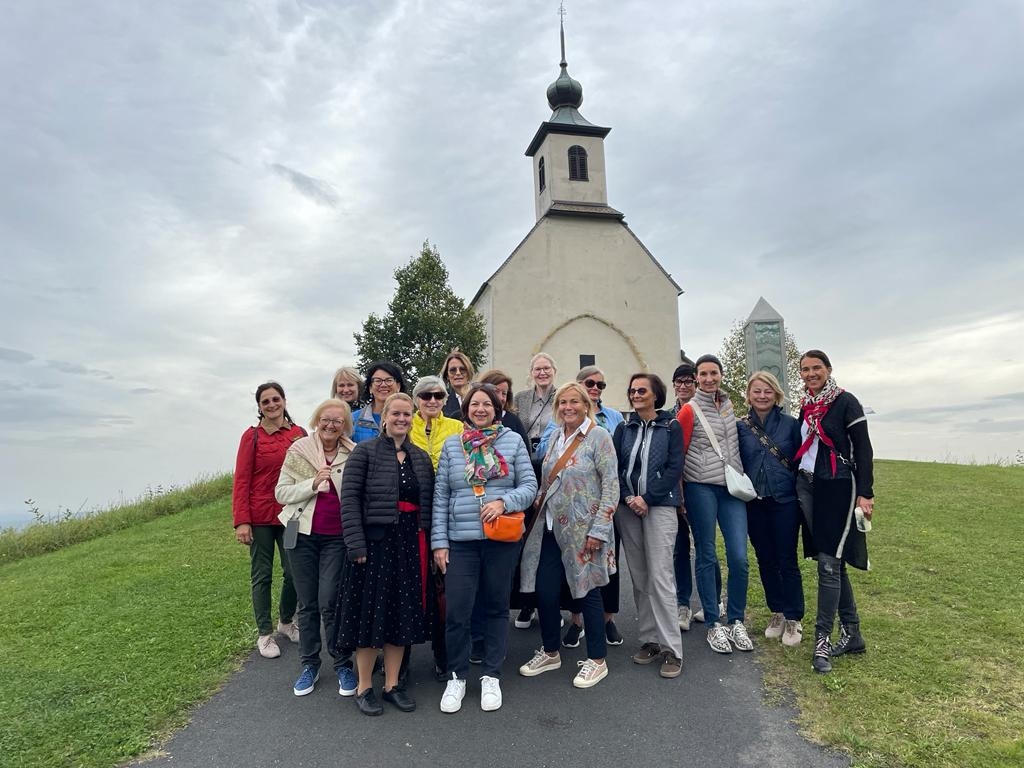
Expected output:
(764, 336)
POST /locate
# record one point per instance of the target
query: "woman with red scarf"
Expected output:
(834, 478)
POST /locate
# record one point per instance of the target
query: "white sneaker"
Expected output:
(268, 647)
(590, 674)
(738, 636)
(490, 693)
(684, 618)
(698, 615)
(793, 633)
(540, 663)
(718, 638)
(454, 693)
(774, 629)
(289, 630)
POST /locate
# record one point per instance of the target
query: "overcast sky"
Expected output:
(197, 197)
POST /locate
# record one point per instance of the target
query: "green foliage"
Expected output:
(65, 528)
(733, 354)
(424, 322)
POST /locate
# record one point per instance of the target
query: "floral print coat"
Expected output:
(581, 499)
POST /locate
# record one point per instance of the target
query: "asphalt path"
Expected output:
(714, 714)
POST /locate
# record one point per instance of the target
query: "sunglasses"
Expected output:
(598, 385)
(432, 395)
(457, 369)
(638, 391)
(269, 400)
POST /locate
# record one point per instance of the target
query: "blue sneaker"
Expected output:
(306, 682)
(347, 682)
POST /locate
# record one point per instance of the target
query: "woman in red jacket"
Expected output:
(261, 453)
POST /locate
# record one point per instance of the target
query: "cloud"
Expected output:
(317, 190)
(15, 355)
(78, 369)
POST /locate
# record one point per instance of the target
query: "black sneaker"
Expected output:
(821, 662)
(850, 640)
(524, 619)
(573, 635)
(368, 703)
(611, 633)
(476, 656)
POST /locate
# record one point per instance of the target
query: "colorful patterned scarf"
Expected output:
(815, 407)
(483, 462)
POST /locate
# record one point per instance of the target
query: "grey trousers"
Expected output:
(649, 543)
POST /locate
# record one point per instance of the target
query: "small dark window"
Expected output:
(577, 163)
(586, 360)
(540, 173)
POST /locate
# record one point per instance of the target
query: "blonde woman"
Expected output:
(534, 405)
(310, 488)
(347, 385)
(457, 373)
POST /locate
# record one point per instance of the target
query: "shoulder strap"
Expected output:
(707, 429)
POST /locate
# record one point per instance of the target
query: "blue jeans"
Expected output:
(550, 574)
(681, 565)
(774, 528)
(707, 505)
(478, 572)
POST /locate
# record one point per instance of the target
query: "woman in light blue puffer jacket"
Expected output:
(477, 568)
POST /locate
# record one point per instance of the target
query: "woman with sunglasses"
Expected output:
(261, 453)
(484, 473)
(649, 446)
(310, 489)
(383, 379)
(593, 380)
(457, 373)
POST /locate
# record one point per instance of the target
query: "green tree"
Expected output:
(424, 322)
(733, 354)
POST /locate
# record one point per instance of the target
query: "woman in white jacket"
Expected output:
(310, 489)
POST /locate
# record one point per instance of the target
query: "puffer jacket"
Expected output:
(660, 461)
(702, 464)
(457, 510)
(369, 491)
(440, 430)
(364, 426)
(770, 478)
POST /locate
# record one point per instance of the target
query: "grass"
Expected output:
(942, 683)
(49, 536)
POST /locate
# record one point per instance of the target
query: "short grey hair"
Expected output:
(587, 371)
(429, 384)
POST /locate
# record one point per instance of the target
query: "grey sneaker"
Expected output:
(289, 630)
(540, 663)
(738, 636)
(718, 638)
(268, 647)
(684, 618)
(671, 665)
(454, 693)
(775, 627)
(792, 634)
(648, 652)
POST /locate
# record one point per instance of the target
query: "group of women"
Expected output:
(388, 518)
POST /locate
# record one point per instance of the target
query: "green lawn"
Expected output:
(107, 644)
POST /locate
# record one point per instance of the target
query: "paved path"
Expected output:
(712, 715)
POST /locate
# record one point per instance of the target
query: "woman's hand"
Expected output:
(591, 546)
(441, 559)
(243, 534)
(323, 475)
(360, 560)
(867, 506)
(492, 510)
(638, 505)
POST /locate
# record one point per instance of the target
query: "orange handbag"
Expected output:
(507, 527)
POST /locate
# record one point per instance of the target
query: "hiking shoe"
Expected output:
(268, 647)
(540, 663)
(648, 652)
(671, 665)
(573, 635)
(850, 640)
(611, 633)
(775, 627)
(821, 662)
(590, 674)
(289, 630)
(490, 693)
(347, 683)
(792, 634)
(525, 618)
(718, 638)
(738, 636)
(685, 617)
(307, 680)
(454, 693)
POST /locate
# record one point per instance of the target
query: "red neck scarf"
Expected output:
(814, 408)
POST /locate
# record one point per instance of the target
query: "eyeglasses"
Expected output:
(432, 395)
(382, 382)
(269, 400)
(638, 391)
(332, 422)
(457, 369)
(598, 385)
(683, 382)
(545, 369)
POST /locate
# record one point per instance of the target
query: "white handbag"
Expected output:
(737, 483)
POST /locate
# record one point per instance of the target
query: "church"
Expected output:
(580, 286)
